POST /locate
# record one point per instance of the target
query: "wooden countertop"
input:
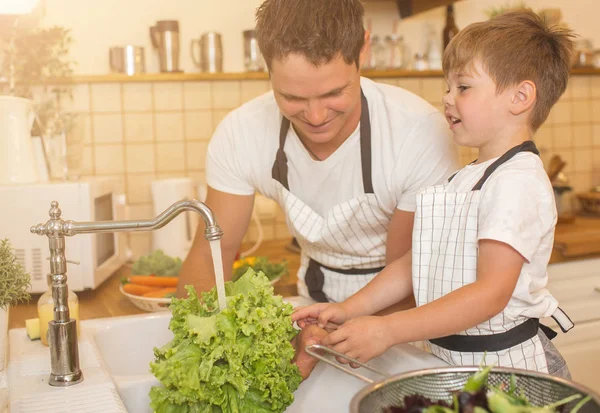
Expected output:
(573, 241)
(107, 301)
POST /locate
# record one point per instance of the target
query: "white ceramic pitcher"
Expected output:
(17, 158)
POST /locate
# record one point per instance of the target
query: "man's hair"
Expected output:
(320, 30)
(514, 47)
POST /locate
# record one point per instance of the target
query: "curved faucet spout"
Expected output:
(213, 231)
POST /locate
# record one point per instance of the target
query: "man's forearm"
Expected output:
(197, 269)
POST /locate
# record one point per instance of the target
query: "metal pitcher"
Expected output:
(165, 37)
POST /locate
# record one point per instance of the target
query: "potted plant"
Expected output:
(39, 73)
(38, 58)
(14, 287)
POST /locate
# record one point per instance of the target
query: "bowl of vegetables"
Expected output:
(153, 281)
(475, 390)
(154, 277)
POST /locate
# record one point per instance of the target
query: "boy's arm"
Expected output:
(389, 287)
(498, 270)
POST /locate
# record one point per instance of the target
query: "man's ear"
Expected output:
(523, 97)
(364, 51)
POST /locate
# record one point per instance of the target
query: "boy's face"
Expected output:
(476, 113)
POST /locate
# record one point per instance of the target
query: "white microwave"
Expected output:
(91, 258)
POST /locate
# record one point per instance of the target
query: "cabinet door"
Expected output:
(581, 349)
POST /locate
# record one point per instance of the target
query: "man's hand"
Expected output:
(361, 338)
(308, 336)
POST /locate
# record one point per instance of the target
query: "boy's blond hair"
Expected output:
(514, 47)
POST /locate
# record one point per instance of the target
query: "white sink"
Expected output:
(126, 344)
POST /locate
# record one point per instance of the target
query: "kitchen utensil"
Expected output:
(18, 163)
(127, 59)
(211, 52)
(556, 165)
(165, 37)
(253, 60)
(438, 384)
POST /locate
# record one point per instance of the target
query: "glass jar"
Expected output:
(253, 60)
(377, 56)
(45, 307)
(397, 52)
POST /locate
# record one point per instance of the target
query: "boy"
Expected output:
(481, 241)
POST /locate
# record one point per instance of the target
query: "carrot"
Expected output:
(162, 293)
(154, 281)
(138, 289)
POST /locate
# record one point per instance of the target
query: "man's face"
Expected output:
(320, 101)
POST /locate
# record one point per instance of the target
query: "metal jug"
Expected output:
(211, 52)
(165, 37)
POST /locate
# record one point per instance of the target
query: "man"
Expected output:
(342, 155)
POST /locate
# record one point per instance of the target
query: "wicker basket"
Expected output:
(590, 202)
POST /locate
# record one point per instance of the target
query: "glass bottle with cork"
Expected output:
(451, 29)
(45, 307)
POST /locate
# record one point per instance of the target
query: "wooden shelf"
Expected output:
(196, 77)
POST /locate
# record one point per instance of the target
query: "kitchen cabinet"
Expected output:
(576, 286)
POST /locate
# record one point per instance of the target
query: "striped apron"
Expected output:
(344, 249)
(445, 259)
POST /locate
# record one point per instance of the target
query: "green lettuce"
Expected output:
(238, 360)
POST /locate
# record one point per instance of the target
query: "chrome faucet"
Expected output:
(62, 331)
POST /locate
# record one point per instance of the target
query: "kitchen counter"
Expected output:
(107, 301)
(573, 241)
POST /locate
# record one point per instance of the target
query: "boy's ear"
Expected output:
(523, 98)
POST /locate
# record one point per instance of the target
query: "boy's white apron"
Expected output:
(445, 259)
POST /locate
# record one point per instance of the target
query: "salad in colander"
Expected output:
(477, 397)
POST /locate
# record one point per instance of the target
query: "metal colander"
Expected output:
(438, 384)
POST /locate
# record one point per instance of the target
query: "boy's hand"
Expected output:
(362, 338)
(325, 315)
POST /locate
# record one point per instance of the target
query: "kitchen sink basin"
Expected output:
(125, 345)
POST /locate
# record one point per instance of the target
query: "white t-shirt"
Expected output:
(411, 149)
(517, 208)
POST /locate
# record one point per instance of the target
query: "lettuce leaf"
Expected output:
(235, 361)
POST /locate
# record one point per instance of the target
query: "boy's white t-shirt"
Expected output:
(411, 149)
(517, 207)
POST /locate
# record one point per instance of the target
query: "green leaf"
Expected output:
(235, 360)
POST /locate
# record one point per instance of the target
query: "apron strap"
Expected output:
(315, 279)
(490, 342)
(365, 145)
(527, 146)
(279, 171)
